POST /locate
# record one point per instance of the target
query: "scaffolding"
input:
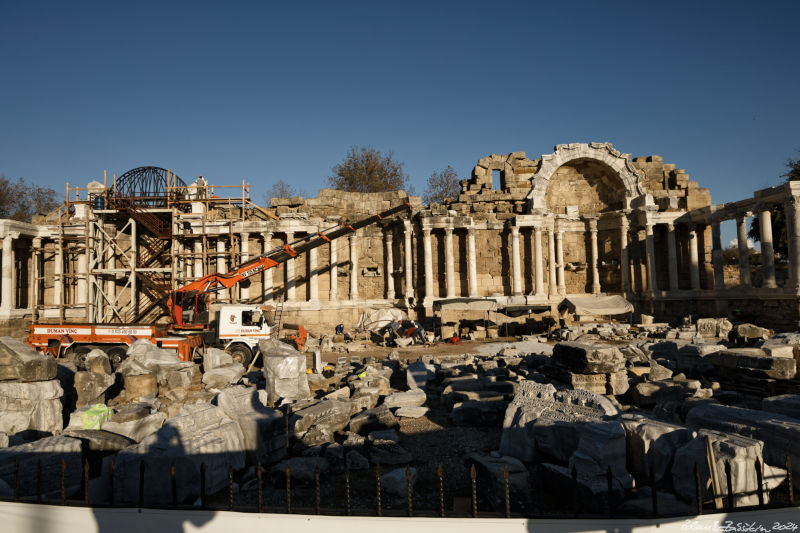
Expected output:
(120, 248)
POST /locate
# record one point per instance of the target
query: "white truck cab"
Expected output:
(240, 327)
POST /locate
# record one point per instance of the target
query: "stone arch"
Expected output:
(604, 153)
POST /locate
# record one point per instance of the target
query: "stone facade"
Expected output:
(583, 220)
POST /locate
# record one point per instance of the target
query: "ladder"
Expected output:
(279, 316)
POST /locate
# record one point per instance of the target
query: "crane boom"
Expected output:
(188, 305)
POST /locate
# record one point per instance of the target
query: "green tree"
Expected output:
(22, 201)
(368, 170)
(442, 186)
(281, 189)
(780, 242)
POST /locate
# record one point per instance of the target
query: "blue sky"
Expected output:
(264, 91)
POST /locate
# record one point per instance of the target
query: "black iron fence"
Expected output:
(570, 504)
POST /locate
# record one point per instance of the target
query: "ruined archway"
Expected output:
(603, 153)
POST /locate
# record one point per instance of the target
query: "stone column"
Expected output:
(449, 262)
(266, 275)
(515, 262)
(551, 262)
(198, 258)
(595, 258)
(744, 253)
(290, 292)
(716, 256)
(624, 260)
(333, 295)
(7, 296)
(538, 270)
(408, 260)
(35, 284)
(58, 281)
(313, 279)
(652, 286)
(426, 246)
(694, 262)
(472, 263)
(222, 267)
(792, 209)
(387, 239)
(767, 252)
(82, 278)
(353, 267)
(672, 249)
(562, 287)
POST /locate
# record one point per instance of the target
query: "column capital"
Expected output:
(593, 225)
(448, 229)
(515, 230)
(11, 235)
(671, 225)
(407, 224)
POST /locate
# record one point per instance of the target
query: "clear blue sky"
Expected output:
(264, 91)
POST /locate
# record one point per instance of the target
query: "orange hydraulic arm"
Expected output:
(189, 304)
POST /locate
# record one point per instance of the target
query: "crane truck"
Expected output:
(238, 329)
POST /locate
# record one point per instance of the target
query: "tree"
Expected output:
(368, 170)
(442, 186)
(281, 189)
(21, 201)
(780, 242)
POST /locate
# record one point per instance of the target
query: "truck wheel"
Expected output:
(77, 355)
(240, 353)
(116, 354)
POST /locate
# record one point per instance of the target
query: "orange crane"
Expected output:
(188, 305)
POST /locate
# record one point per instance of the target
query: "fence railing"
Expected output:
(571, 504)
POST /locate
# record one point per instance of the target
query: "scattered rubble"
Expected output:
(641, 404)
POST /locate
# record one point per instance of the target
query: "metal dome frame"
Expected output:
(147, 185)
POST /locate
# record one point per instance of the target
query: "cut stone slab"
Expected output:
(334, 415)
(302, 470)
(356, 461)
(201, 434)
(539, 416)
(373, 419)
(754, 362)
(419, 374)
(472, 413)
(31, 406)
(411, 412)
(389, 453)
(157, 360)
(411, 398)
(91, 387)
(785, 404)
(99, 440)
(138, 386)
(215, 358)
(651, 446)
(49, 451)
(383, 435)
(21, 362)
(588, 359)
(136, 429)
(97, 361)
(740, 452)
(223, 376)
(491, 481)
(263, 428)
(284, 371)
(395, 482)
(780, 434)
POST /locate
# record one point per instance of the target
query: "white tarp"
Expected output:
(375, 319)
(466, 304)
(596, 305)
